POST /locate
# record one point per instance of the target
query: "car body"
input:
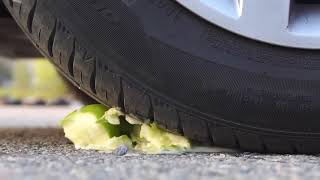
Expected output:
(13, 42)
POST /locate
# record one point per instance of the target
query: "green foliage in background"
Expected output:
(34, 79)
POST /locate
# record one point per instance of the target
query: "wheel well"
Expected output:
(3, 10)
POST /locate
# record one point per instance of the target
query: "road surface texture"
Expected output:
(32, 147)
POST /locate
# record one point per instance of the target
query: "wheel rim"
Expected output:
(290, 23)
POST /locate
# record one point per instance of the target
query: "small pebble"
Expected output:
(121, 150)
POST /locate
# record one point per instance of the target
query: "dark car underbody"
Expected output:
(3, 11)
(13, 43)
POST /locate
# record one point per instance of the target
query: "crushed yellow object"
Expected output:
(112, 116)
(85, 130)
(155, 140)
(90, 128)
(133, 120)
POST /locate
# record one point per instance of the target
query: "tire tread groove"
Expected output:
(31, 16)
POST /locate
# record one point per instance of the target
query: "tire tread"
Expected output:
(106, 84)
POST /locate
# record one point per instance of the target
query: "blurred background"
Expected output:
(26, 78)
(32, 93)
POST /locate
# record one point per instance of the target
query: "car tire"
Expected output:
(159, 61)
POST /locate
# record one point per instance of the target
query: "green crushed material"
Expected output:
(112, 116)
(96, 127)
(133, 120)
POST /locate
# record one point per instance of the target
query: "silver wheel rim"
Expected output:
(279, 22)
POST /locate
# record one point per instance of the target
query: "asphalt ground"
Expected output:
(33, 147)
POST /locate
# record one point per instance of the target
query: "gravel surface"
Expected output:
(43, 153)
